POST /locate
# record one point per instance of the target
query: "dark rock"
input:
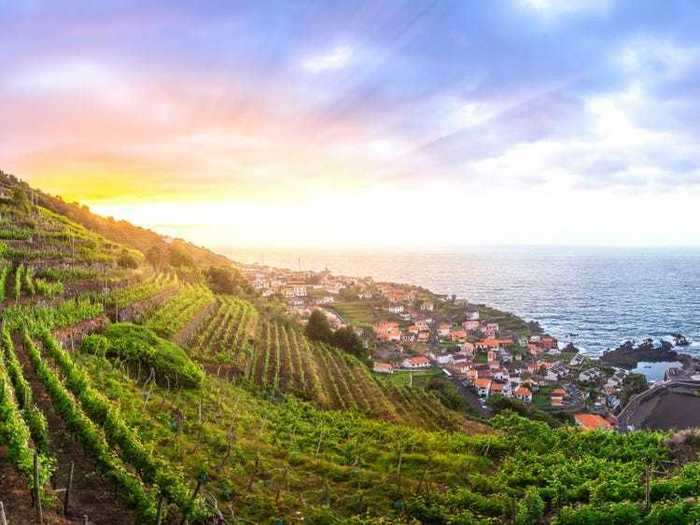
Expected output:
(627, 355)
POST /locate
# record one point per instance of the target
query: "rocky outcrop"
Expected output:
(628, 355)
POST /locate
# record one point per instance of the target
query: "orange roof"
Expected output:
(483, 382)
(592, 421)
(496, 387)
(419, 360)
(493, 342)
(522, 391)
(383, 366)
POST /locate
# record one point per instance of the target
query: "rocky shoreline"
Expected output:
(628, 355)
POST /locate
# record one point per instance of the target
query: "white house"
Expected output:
(394, 309)
(383, 368)
(419, 361)
(590, 375)
(445, 359)
(523, 394)
(556, 372)
(577, 360)
(483, 387)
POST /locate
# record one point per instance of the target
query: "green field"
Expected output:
(403, 378)
(356, 313)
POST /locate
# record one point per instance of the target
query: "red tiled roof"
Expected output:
(592, 421)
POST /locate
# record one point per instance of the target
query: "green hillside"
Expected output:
(174, 401)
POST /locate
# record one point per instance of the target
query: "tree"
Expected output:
(21, 199)
(221, 280)
(346, 339)
(632, 385)
(154, 256)
(350, 293)
(179, 258)
(127, 260)
(228, 280)
(318, 329)
(448, 394)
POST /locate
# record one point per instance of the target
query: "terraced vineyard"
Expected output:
(276, 356)
(234, 416)
(173, 316)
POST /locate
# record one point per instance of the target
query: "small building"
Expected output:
(467, 348)
(444, 329)
(444, 359)
(556, 397)
(388, 331)
(524, 394)
(458, 336)
(492, 342)
(548, 342)
(589, 376)
(472, 315)
(483, 387)
(490, 329)
(471, 325)
(423, 336)
(394, 309)
(419, 361)
(383, 368)
(497, 389)
(577, 360)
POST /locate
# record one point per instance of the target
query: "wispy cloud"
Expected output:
(409, 106)
(337, 58)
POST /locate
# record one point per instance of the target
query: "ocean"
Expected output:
(595, 297)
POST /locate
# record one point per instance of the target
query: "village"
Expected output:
(411, 332)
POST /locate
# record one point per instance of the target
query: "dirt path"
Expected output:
(92, 494)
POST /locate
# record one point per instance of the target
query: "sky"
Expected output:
(414, 124)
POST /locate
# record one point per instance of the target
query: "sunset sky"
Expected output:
(410, 124)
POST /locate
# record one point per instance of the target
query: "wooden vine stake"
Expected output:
(37, 491)
(647, 488)
(398, 468)
(193, 498)
(3, 519)
(159, 512)
(66, 499)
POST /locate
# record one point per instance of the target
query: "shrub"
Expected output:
(95, 344)
(138, 344)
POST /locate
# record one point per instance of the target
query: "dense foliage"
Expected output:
(345, 338)
(139, 346)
